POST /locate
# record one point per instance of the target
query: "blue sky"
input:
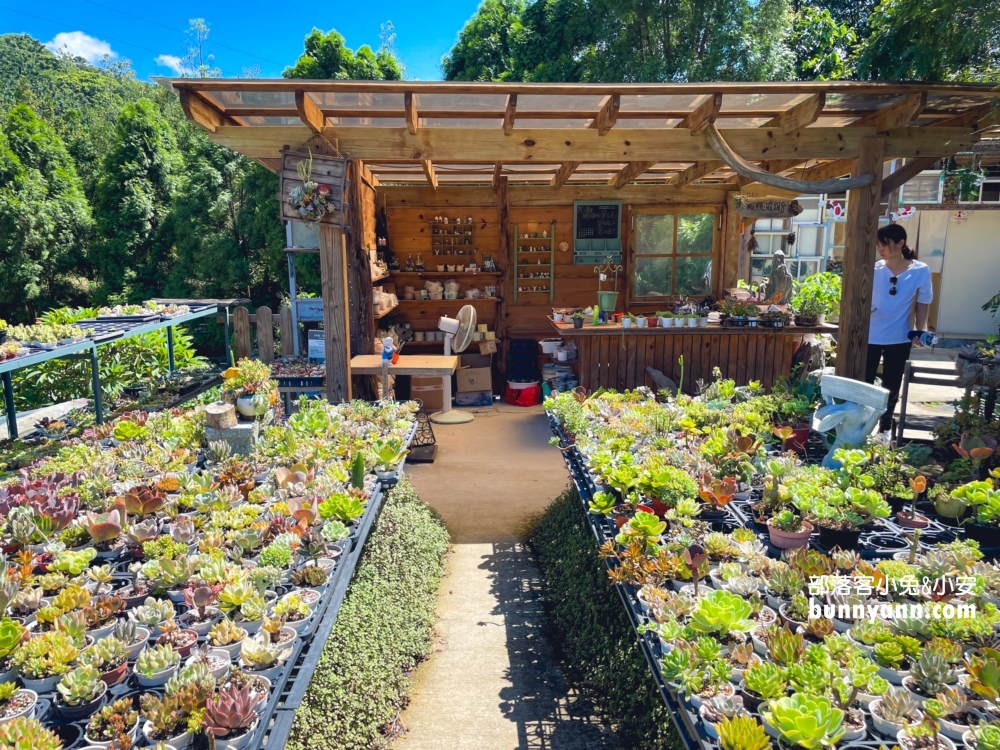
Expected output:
(242, 34)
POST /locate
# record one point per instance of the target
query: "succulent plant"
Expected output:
(125, 631)
(197, 674)
(984, 671)
(766, 679)
(785, 581)
(226, 632)
(258, 653)
(898, 705)
(987, 737)
(292, 607)
(218, 451)
(888, 654)
(175, 574)
(28, 734)
(112, 721)
(104, 527)
(805, 720)
(103, 611)
(143, 500)
(157, 659)
(182, 530)
(721, 612)
(931, 673)
(310, 575)
(742, 732)
(73, 563)
(231, 711)
(105, 655)
(785, 647)
(27, 601)
(153, 611)
(80, 686)
(200, 595)
(144, 531)
(71, 597)
(11, 634)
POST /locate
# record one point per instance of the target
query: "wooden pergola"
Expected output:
(540, 144)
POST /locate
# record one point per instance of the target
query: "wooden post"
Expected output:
(241, 333)
(728, 273)
(336, 326)
(360, 200)
(287, 331)
(503, 266)
(265, 335)
(859, 261)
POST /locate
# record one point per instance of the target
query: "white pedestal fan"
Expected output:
(457, 335)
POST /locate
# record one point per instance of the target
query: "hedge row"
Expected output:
(382, 631)
(593, 631)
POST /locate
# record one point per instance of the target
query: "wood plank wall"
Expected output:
(619, 360)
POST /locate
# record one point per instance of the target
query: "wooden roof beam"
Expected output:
(509, 114)
(412, 119)
(694, 172)
(827, 170)
(497, 174)
(703, 115)
(802, 115)
(906, 173)
(563, 173)
(314, 119)
(429, 173)
(201, 111)
(897, 115)
(629, 172)
(608, 115)
(974, 118)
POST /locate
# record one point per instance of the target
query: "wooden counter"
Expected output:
(614, 357)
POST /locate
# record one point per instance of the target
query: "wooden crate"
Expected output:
(330, 170)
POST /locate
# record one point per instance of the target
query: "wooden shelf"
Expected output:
(443, 274)
(535, 246)
(459, 302)
(385, 275)
(382, 314)
(441, 343)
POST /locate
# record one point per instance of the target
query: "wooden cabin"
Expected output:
(529, 164)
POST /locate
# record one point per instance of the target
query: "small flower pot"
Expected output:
(985, 535)
(157, 679)
(969, 740)
(843, 538)
(578, 322)
(28, 710)
(789, 539)
(41, 686)
(133, 733)
(894, 676)
(944, 743)
(916, 521)
(76, 713)
(710, 728)
(233, 649)
(245, 406)
(116, 675)
(142, 635)
(953, 731)
(185, 650)
(99, 633)
(640, 322)
(201, 628)
(626, 322)
(218, 671)
(751, 701)
(180, 742)
(857, 733)
(271, 673)
(240, 742)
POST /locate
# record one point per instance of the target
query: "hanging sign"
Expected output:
(766, 207)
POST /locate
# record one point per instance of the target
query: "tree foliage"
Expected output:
(822, 46)
(328, 56)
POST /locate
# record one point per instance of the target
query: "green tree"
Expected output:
(485, 47)
(932, 40)
(132, 202)
(327, 56)
(44, 217)
(822, 46)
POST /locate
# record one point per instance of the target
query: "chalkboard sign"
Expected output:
(595, 221)
(597, 227)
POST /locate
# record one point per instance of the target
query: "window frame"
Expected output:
(676, 210)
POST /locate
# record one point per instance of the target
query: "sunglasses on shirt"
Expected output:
(892, 289)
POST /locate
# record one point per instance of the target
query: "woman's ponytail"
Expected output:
(896, 233)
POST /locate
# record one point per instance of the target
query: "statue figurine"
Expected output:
(854, 418)
(388, 351)
(779, 284)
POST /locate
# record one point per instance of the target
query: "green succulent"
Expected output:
(987, 737)
(742, 732)
(804, 677)
(334, 531)
(153, 611)
(898, 705)
(808, 721)
(157, 659)
(984, 671)
(105, 655)
(28, 734)
(80, 686)
(931, 673)
(722, 612)
(602, 503)
(259, 654)
(341, 507)
(766, 679)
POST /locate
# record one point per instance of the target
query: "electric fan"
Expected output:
(457, 335)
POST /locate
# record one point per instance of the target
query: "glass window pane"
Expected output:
(653, 277)
(694, 276)
(694, 233)
(810, 210)
(654, 234)
(809, 240)
(764, 244)
(760, 267)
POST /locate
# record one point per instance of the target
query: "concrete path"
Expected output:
(492, 682)
(26, 420)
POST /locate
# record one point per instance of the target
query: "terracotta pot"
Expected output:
(115, 675)
(918, 521)
(789, 539)
(799, 439)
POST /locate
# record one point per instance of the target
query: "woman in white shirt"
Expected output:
(900, 280)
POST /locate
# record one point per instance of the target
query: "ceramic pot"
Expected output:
(42, 686)
(245, 406)
(243, 740)
(134, 733)
(157, 679)
(180, 742)
(76, 713)
(789, 539)
(918, 521)
(29, 711)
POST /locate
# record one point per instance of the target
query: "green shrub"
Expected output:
(591, 627)
(382, 631)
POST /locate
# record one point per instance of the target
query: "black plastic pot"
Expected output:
(76, 713)
(578, 322)
(985, 535)
(751, 701)
(839, 537)
(3, 336)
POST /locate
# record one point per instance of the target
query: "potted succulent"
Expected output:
(259, 657)
(167, 719)
(808, 721)
(23, 732)
(109, 657)
(132, 636)
(181, 639)
(742, 732)
(80, 693)
(629, 320)
(665, 318)
(296, 612)
(201, 617)
(114, 723)
(44, 659)
(929, 675)
(923, 735)
(718, 708)
(911, 519)
(892, 710)
(216, 660)
(228, 636)
(788, 530)
(16, 702)
(578, 317)
(250, 386)
(815, 297)
(156, 665)
(388, 454)
(231, 716)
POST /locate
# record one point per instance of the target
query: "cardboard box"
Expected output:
(474, 398)
(470, 379)
(428, 390)
(470, 359)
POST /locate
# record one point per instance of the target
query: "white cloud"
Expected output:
(173, 62)
(78, 44)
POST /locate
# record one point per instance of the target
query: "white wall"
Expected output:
(971, 274)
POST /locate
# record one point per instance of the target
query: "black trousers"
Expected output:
(893, 358)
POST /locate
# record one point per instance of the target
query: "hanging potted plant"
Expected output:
(310, 200)
(961, 183)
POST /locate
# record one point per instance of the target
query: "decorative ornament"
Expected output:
(836, 208)
(903, 213)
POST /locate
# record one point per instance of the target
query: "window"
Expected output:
(924, 188)
(803, 258)
(673, 254)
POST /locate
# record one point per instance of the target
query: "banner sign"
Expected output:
(767, 207)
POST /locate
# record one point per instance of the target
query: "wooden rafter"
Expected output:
(201, 111)
(309, 112)
(429, 172)
(497, 174)
(412, 119)
(802, 115)
(896, 115)
(827, 170)
(608, 116)
(972, 118)
(703, 115)
(509, 114)
(694, 172)
(563, 173)
(906, 173)
(629, 172)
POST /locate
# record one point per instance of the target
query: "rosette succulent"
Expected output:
(157, 659)
(231, 711)
(80, 686)
(808, 721)
(721, 612)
